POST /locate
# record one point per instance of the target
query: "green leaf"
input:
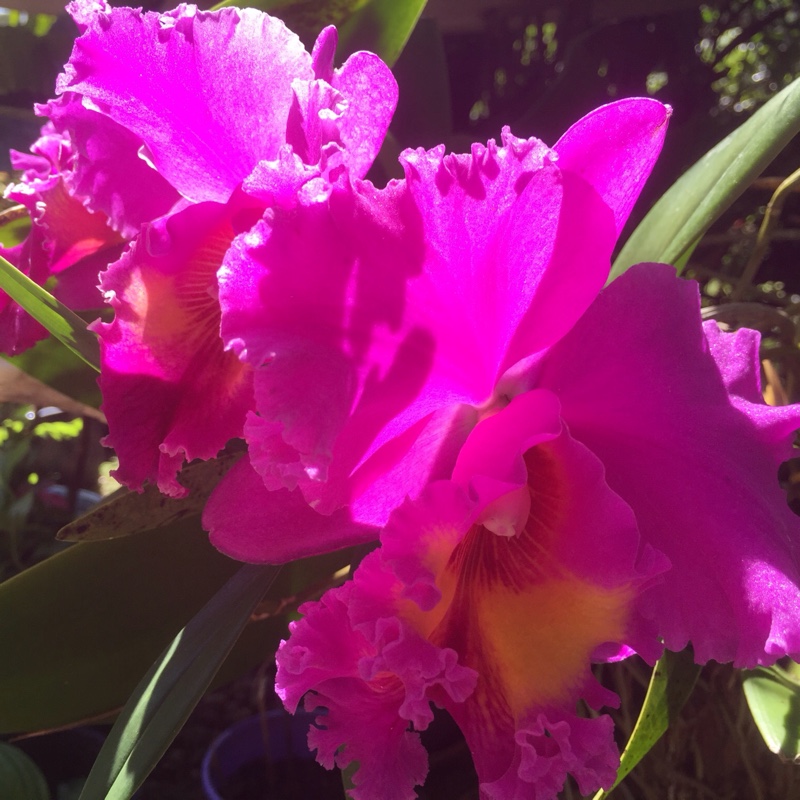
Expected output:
(65, 325)
(701, 195)
(774, 699)
(93, 618)
(380, 26)
(165, 697)
(20, 778)
(305, 17)
(79, 630)
(671, 683)
(125, 513)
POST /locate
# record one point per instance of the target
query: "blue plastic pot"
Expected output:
(243, 745)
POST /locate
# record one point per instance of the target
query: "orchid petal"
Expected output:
(171, 393)
(614, 148)
(372, 92)
(250, 523)
(391, 758)
(106, 170)
(157, 75)
(673, 413)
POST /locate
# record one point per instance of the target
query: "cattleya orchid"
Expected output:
(537, 451)
(68, 244)
(179, 162)
(494, 591)
(558, 473)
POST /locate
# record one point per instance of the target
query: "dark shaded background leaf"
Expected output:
(79, 630)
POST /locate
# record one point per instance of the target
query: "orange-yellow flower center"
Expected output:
(512, 608)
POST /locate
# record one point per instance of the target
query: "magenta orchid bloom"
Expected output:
(439, 359)
(68, 244)
(489, 596)
(615, 508)
(382, 324)
(190, 126)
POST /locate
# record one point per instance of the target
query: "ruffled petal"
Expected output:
(106, 170)
(350, 670)
(550, 746)
(674, 414)
(170, 391)
(158, 76)
(500, 630)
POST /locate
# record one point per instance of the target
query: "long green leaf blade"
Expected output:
(64, 324)
(701, 195)
(172, 687)
(95, 617)
(671, 683)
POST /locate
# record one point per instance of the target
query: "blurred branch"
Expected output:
(771, 216)
(740, 236)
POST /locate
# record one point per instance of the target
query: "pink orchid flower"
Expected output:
(68, 245)
(616, 508)
(382, 324)
(563, 473)
(189, 126)
(490, 596)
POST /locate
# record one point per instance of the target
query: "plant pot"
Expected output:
(266, 757)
